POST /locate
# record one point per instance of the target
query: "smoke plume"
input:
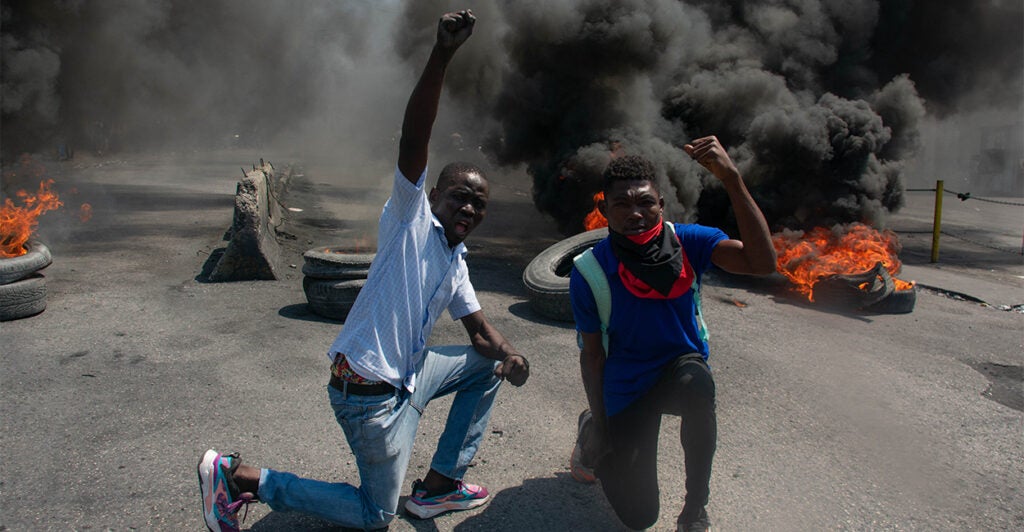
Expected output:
(823, 104)
(819, 115)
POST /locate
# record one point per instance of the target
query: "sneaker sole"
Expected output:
(577, 472)
(205, 467)
(426, 512)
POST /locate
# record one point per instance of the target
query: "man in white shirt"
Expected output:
(383, 374)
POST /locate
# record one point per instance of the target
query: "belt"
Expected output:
(360, 389)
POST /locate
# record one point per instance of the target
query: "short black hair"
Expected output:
(451, 170)
(629, 168)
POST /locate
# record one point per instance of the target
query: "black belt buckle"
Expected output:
(360, 389)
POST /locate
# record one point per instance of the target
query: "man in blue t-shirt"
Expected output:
(656, 361)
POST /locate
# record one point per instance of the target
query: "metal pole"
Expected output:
(937, 224)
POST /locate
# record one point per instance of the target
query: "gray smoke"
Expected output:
(189, 74)
(824, 104)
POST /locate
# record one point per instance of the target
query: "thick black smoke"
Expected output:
(815, 105)
(822, 103)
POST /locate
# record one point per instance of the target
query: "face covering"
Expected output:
(652, 264)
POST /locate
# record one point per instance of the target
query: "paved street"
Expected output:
(827, 420)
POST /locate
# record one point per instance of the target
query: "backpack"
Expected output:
(591, 270)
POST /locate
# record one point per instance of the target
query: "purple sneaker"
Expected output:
(221, 496)
(463, 497)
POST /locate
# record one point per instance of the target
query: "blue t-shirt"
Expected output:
(643, 334)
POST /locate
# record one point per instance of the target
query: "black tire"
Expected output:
(23, 298)
(336, 262)
(331, 298)
(16, 268)
(898, 302)
(854, 291)
(547, 276)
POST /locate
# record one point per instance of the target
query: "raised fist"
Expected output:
(454, 28)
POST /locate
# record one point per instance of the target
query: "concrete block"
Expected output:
(253, 252)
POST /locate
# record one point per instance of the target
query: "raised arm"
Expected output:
(754, 252)
(452, 30)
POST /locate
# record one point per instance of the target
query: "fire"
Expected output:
(595, 219)
(18, 222)
(806, 258)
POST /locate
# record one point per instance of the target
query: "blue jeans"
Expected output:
(380, 430)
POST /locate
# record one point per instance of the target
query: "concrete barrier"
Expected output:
(253, 251)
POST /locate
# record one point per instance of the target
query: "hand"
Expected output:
(708, 151)
(454, 28)
(515, 368)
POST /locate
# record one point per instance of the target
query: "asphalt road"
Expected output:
(827, 420)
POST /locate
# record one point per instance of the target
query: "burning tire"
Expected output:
(331, 298)
(547, 276)
(898, 302)
(855, 291)
(16, 268)
(336, 262)
(23, 298)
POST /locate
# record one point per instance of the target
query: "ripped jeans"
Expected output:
(380, 430)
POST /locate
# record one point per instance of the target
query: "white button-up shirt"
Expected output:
(413, 278)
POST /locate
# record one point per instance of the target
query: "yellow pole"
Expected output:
(937, 224)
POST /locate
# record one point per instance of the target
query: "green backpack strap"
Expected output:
(586, 263)
(702, 328)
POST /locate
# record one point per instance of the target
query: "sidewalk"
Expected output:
(979, 249)
(958, 282)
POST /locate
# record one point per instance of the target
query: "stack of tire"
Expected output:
(333, 277)
(22, 287)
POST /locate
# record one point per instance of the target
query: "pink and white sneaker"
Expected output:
(463, 497)
(221, 496)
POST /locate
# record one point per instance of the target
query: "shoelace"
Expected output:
(244, 499)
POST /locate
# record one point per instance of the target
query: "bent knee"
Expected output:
(702, 384)
(379, 521)
(693, 379)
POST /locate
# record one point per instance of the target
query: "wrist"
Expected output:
(510, 355)
(444, 53)
(729, 175)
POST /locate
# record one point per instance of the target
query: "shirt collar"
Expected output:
(460, 249)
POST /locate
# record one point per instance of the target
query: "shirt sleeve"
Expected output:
(584, 307)
(407, 203)
(464, 300)
(699, 241)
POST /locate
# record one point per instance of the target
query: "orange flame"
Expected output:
(17, 223)
(594, 218)
(806, 258)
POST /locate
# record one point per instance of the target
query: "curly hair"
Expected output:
(629, 168)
